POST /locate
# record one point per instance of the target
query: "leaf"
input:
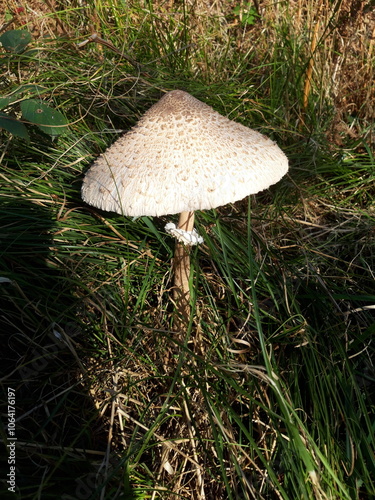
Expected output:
(17, 94)
(49, 120)
(15, 40)
(13, 126)
(246, 13)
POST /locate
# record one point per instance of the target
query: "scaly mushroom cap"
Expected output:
(182, 156)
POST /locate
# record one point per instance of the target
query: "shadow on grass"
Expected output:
(52, 434)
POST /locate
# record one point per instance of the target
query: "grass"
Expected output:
(270, 395)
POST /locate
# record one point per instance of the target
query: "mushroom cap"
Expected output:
(182, 156)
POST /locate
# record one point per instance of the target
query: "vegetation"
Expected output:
(270, 395)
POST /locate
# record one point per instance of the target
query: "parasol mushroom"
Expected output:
(180, 157)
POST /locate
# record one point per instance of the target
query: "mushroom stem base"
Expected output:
(181, 267)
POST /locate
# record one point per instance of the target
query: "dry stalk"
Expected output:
(170, 444)
(200, 479)
(310, 67)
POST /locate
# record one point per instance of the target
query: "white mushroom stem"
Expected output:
(181, 267)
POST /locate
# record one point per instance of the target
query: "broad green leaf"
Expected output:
(246, 13)
(13, 126)
(15, 40)
(5, 101)
(16, 95)
(49, 120)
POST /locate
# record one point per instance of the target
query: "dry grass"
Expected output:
(335, 38)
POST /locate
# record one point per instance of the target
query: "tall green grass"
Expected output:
(271, 392)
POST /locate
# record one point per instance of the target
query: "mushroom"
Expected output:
(180, 157)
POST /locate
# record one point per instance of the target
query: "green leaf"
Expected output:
(48, 119)
(13, 126)
(15, 40)
(17, 94)
(246, 13)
